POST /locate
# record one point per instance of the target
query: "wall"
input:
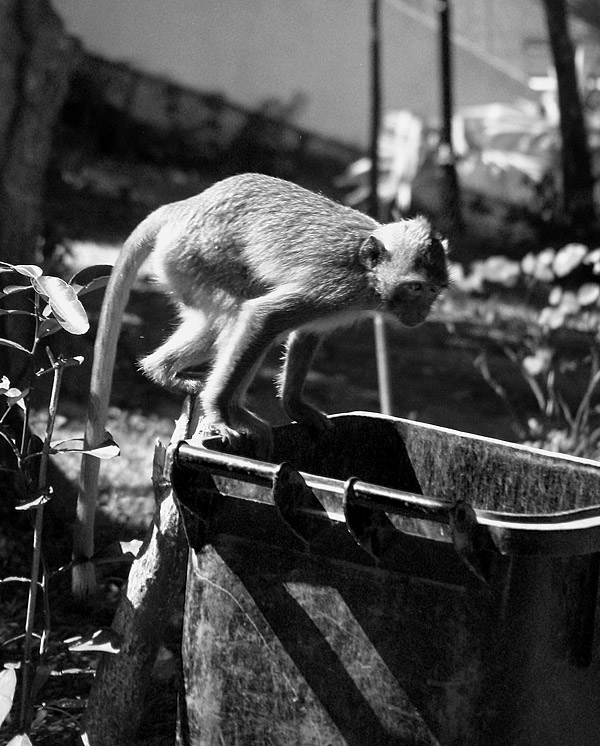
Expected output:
(252, 51)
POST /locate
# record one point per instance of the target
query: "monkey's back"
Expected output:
(251, 233)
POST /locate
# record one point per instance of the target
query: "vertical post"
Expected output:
(383, 365)
(375, 39)
(381, 348)
(449, 181)
(446, 72)
(578, 187)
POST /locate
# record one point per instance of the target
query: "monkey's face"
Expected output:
(408, 269)
(412, 302)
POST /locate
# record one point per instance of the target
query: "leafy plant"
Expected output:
(569, 279)
(52, 305)
(505, 154)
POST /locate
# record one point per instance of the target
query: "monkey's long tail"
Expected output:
(135, 250)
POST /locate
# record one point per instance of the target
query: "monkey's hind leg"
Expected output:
(190, 345)
(301, 348)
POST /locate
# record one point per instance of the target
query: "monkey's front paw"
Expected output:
(314, 421)
(210, 428)
(255, 444)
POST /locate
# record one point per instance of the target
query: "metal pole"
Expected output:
(381, 346)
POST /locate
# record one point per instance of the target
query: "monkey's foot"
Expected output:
(256, 444)
(314, 421)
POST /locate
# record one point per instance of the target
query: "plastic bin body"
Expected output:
(289, 642)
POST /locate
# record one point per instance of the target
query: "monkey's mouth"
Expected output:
(407, 316)
(411, 320)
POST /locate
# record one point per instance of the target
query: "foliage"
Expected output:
(568, 281)
(52, 305)
(507, 163)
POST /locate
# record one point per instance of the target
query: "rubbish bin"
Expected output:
(394, 583)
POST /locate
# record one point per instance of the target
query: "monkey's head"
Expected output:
(408, 268)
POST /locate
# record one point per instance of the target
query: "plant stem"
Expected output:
(481, 363)
(583, 411)
(26, 704)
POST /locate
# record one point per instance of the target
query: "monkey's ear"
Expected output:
(445, 245)
(371, 252)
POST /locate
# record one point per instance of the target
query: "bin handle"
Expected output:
(562, 533)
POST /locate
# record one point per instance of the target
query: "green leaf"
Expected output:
(555, 296)
(11, 392)
(501, 270)
(569, 302)
(103, 640)
(568, 258)
(14, 312)
(539, 265)
(538, 363)
(41, 497)
(553, 318)
(9, 437)
(65, 305)
(29, 270)
(58, 445)
(73, 326)
(588, 293)
(131, 547)
(14, 345)
(40, 679)
(106, 450)
(8, 684)
(98, 284)
(72, 362)
(48, 327)
(89, 279)
(116, 551)
(12, 289)
(21, 740)
(14, 396)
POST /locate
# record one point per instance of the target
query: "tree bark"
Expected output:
(576, 165)
(36, 60)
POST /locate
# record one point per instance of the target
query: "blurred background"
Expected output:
(484, 116)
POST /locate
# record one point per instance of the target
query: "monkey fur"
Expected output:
(252, 260)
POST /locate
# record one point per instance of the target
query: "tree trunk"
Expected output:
(36, 60)
(577, 176)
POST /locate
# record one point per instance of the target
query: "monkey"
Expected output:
(250, 261)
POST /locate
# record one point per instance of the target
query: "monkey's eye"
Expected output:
(414, 287)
